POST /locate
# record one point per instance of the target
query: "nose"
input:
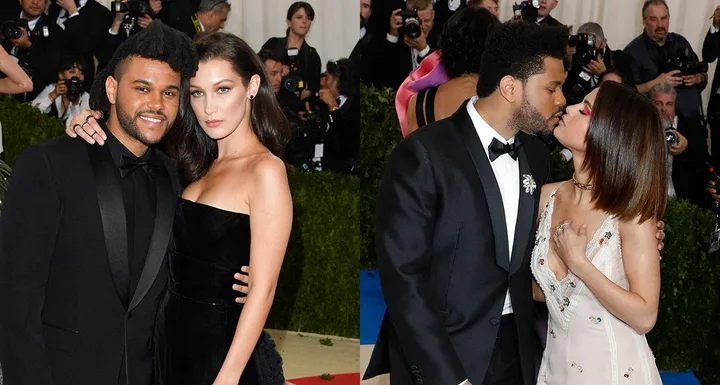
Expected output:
(155, 101)
(210, 108)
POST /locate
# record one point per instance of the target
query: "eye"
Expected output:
(169, 93)
(196, 94)
(585, 111)
(141, 89)
(223, 90)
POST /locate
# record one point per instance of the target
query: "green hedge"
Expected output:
(687, 333)
(318, 291)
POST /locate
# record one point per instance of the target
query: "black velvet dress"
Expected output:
(198, 315)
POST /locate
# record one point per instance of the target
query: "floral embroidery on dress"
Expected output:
(629, 371)
(542, 261)
(595, 320)
(565, 303)
(552, 333)
(572, 284)
(607, 236)
(552, 287)
(576, 366)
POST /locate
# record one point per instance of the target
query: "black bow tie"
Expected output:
(128, 165)
(498, 148)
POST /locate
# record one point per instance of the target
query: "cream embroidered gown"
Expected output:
(586, 344)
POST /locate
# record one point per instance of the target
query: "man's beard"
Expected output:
(129, 124)
(529, 119)
(363, 22)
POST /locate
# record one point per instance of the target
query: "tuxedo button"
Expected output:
(494, 321)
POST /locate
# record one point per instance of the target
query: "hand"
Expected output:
(681, 146)
(716, 17)
(660, 235)
(155, 6)
(85, 125)
(144, 20)
(285, 70)
(570, 246)
(24, 40)
(242, 288)
(596, 67)
(60, 89)
(68, 5)
(395, 22)
(691, 80)
(713, 192)
(119, 16)
(327, 97)
(670, 78)
(420, 43)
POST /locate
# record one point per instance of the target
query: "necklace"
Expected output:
(580, 185)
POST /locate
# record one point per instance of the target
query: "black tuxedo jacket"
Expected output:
(342, 141)
(710, 51)
(43, 56)
(689, 173)
(550, 21)
(178, 14)
(65, 317)
(388, 64)
(443, 256)
(86, 33)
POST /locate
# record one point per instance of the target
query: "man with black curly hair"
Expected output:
(456, 218)
(85, 229)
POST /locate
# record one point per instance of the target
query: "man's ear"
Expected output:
(111, 86)
(509, 88)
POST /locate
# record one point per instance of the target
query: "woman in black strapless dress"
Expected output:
(236, 210)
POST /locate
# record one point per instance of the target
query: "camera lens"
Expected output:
(671, 137)
(412, 28)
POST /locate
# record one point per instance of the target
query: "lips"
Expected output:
(213, 123)
(152, 119)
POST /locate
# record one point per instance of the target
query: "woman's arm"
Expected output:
(637, 306)
(271, 214)
(17, 81)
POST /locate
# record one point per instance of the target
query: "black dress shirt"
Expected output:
(139, 197)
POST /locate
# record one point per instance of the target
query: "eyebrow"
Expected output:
(223, 81)
(147, 83)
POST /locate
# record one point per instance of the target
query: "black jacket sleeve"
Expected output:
(28, 228)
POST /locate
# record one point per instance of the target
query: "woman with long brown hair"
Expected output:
(601, 280)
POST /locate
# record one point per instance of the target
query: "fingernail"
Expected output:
(237, 275)
(244, 269)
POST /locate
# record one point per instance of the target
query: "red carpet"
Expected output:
(337, 379)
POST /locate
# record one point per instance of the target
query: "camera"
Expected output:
(585, 50)
(11, 30)
(136, 7)
(686, 66)
(308, 131)
(671, 137)
(293, 82)
(411, 23)
(74, 88)
(528, 10)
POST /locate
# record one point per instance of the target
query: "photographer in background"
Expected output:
(36, 41)
(660, 56)
(544, 18)
(302, 60)
(341, 94)
(491, 5)
(67, 98)
(591, 57)
(686, 141)
(195, 16)
(274, 70)
(410, 39)
(710, 52)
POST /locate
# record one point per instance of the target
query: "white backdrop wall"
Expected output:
(622, 20)
(334, 31)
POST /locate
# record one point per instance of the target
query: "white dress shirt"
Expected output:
(363, 32)
(507, 175)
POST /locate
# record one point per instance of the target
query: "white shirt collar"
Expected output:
(483, 129)
(341, 100)
(363, 31)
(31, 23)
(675, 122)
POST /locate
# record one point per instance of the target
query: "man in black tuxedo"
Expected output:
(710, 53)
(544, 17)
(85, 229)
(86, 23)
(32, 48)
(456, 220)
(389, 58)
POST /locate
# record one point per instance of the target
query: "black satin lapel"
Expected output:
(161, 236)
(490, 186)
(529, 193)
(112, 213)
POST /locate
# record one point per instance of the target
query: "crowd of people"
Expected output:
(63, 44)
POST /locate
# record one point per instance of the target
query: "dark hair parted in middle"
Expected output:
(519, 50)
(298, 5)
(462, 43)
(193, 150)
(626, 154)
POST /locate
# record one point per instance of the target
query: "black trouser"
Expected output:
(713, 114)
(504, 368)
